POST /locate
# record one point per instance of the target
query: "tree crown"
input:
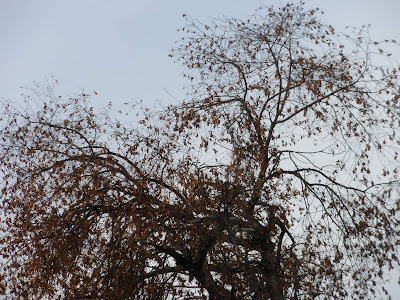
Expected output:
(276, 178)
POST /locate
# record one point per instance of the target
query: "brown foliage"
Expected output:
(276, 179)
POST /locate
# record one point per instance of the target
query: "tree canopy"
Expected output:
(276, 177)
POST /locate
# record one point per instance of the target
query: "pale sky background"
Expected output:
(120, 48)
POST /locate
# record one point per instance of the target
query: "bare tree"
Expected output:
(277, 178)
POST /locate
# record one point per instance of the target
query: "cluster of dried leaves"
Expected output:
(276, 179)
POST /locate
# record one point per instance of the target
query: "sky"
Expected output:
(120, 48)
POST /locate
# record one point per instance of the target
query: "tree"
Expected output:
(277, 178)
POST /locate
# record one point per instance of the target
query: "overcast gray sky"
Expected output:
(120, 48)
